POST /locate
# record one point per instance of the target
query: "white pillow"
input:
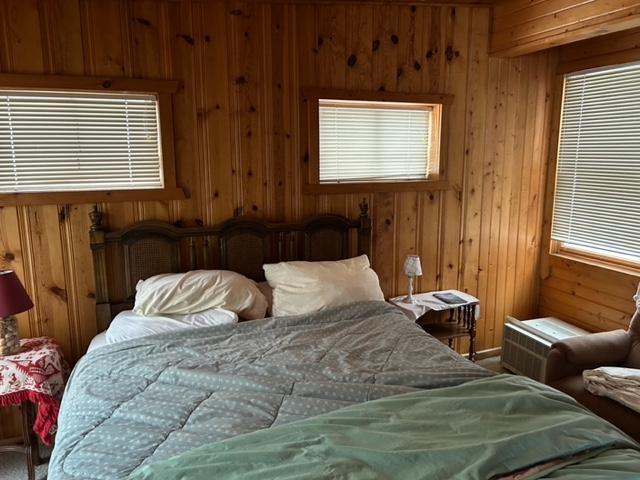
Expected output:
(199, 290)
(127, 324)
(303, 287)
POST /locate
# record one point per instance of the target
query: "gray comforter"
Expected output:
(142, 401)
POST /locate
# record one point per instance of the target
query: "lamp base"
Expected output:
(409, 299)
(9, 339)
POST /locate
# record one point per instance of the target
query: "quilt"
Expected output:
(132, 404)
(468, 431)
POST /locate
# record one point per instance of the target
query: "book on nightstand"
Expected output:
(449, 298)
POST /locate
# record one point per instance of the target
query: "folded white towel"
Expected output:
(617, 383)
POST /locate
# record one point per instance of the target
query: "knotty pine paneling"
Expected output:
(239, 148)
(526, 26)
(593, 297)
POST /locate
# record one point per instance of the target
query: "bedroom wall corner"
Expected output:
(588, 295)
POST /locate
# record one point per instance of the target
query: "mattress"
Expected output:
(97, 341)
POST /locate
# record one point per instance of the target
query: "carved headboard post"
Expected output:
(96, 240)
(364, 230)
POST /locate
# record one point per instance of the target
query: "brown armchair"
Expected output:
(568, 358)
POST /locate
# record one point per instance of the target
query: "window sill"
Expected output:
(375, 187)
(59, 198)
(627, 269)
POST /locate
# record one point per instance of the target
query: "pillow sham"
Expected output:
(198, 290)
(127, 324)
(304, 287)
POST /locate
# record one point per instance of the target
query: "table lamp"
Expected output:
(412, 269)
(13, 300)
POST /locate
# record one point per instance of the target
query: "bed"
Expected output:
(355, 391)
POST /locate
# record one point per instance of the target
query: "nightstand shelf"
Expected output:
(445, 330)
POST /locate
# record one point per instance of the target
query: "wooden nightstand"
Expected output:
(461, 321)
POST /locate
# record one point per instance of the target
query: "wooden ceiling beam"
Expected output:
(526, 26)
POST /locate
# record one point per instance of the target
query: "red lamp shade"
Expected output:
(13, 296)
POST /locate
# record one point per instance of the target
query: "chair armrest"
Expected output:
(571, 356)
(634, 326)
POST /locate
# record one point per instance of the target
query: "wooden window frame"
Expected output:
(161, 89)
(556, 247)
(310, 127)
(603, 261)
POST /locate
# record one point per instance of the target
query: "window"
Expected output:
(373, 141)
(597, 196)
(62, 142)
(53, 142)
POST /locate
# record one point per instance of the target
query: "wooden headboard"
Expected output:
(241, 244)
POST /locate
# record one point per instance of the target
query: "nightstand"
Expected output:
(34, 379)
(461, 321)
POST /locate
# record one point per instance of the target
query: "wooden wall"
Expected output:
(587, 295)
(526, 26)
(239, 148)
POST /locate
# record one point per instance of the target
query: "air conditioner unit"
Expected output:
(526, 344)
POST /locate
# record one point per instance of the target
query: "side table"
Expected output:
(34, 377)
(460, 323)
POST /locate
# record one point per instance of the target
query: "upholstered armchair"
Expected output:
(568, 358)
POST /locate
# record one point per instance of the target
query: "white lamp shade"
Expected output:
(412, 267)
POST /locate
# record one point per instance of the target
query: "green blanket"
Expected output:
(479, 430)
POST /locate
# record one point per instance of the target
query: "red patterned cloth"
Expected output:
(36, 374)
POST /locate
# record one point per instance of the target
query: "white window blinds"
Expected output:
(597, 198)
(51, 142)
(373, 141)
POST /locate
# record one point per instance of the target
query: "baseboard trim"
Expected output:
(488, 353)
